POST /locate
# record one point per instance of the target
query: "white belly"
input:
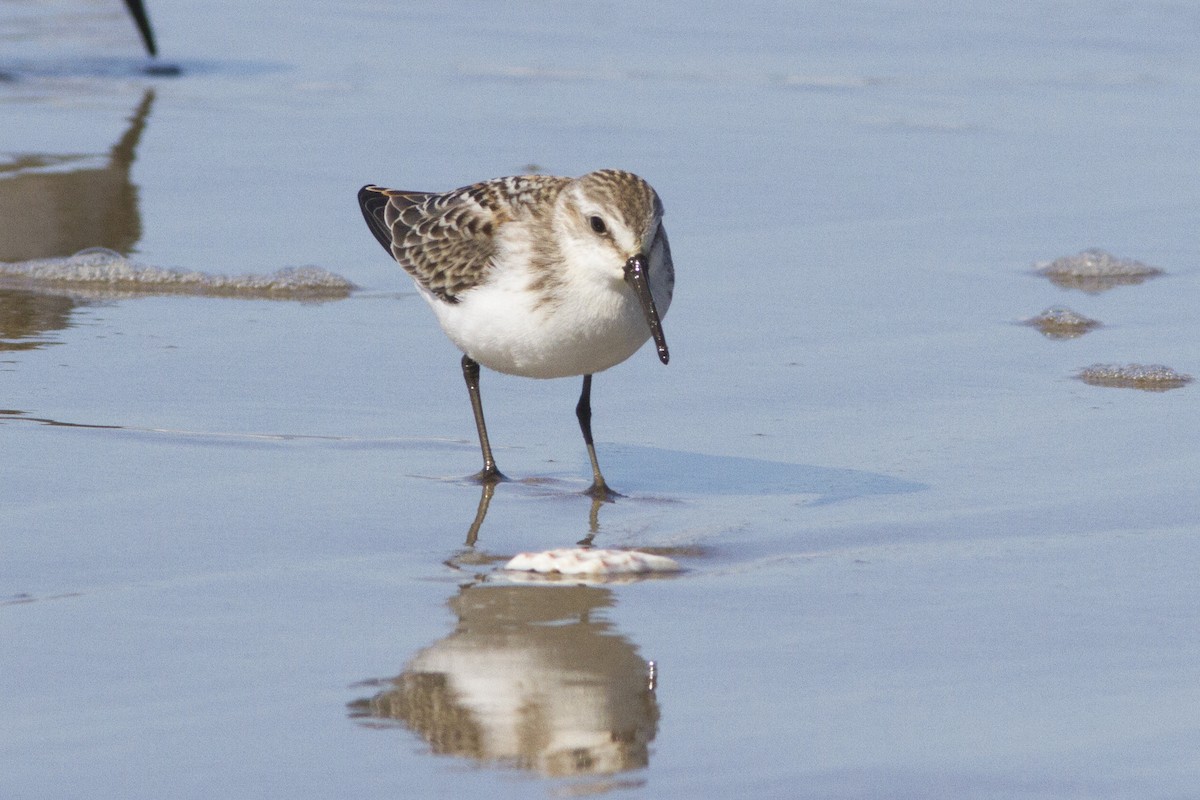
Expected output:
(500, 327)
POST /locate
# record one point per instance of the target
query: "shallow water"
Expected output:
(921, 556)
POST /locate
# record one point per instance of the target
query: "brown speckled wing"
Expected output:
(446, 241)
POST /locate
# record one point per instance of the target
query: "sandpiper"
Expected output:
(535, 275)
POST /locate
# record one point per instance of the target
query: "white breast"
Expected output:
(594, 322)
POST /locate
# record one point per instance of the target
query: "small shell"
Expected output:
(591, 562)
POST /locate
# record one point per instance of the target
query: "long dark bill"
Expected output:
(636, 275)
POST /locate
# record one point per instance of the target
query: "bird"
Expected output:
(537, 276)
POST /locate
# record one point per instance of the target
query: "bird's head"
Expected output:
(613, 222)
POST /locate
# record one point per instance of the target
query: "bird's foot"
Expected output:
(488, 476)
(599, 491)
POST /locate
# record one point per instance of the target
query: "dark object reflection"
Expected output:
(532, 677)
(25, 318)
(51, 211)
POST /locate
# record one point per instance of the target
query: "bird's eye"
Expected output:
(598, 225)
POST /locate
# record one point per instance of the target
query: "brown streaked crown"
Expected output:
(626, 193)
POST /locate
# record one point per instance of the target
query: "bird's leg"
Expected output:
(489, 473)
(599, 488)
(143, 24)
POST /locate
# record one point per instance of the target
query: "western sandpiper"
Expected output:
(535, 275)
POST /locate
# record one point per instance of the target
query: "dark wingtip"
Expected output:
(372, 201)
(369, 195)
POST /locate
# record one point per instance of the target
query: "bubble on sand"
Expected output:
(1148, 377)
(100, 272)
(1095, 270)
(1062, 323)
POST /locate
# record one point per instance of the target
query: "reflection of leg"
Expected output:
(593, 521)
(489, 473)
(599, 488)
(485, 499)
(125, 150)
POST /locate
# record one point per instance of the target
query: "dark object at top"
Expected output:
(143, 23)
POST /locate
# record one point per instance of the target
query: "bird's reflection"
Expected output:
(488, 490)
(50, 210)
(533, 677)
